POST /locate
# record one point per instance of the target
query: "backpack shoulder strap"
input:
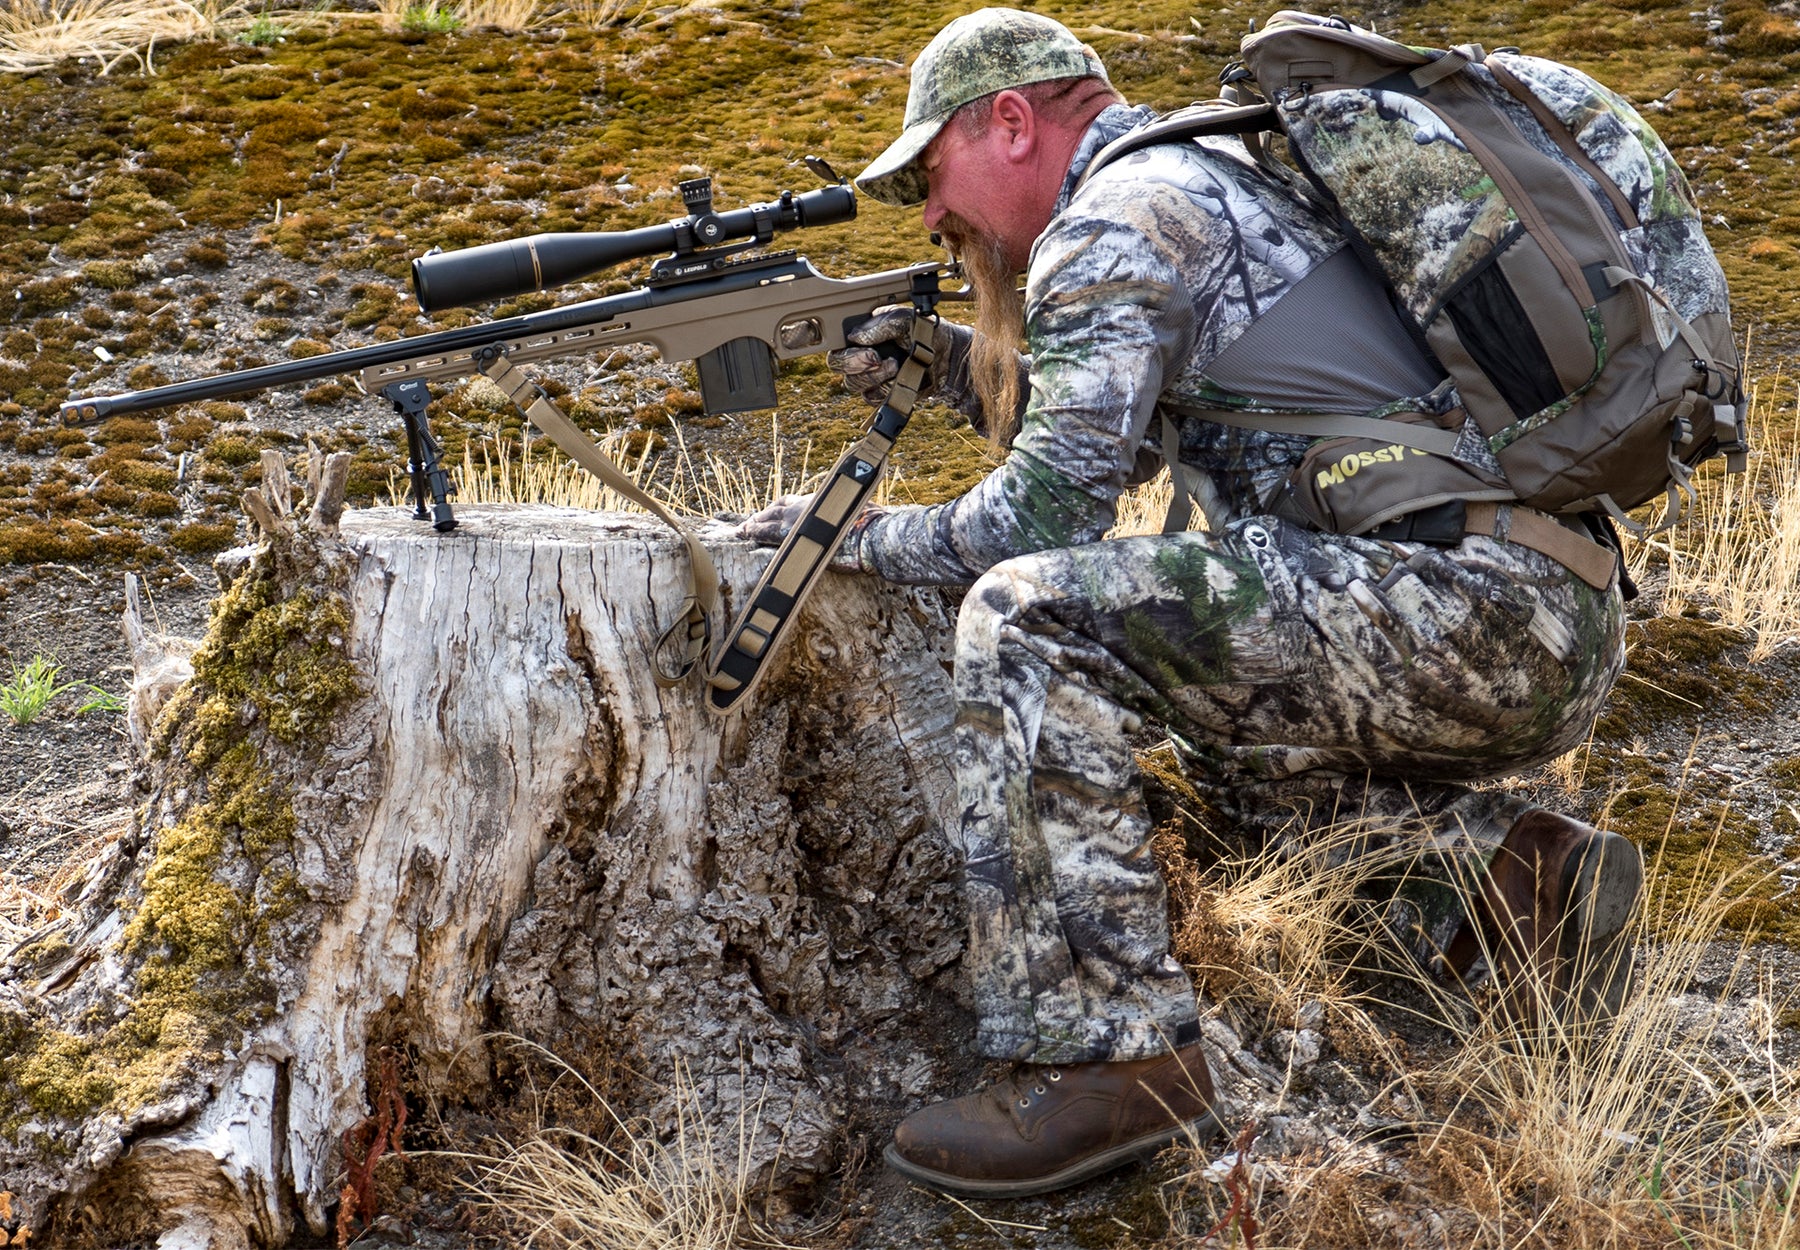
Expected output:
(1210, 117)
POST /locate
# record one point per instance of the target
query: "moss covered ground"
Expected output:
(253, 203)
(249, 203)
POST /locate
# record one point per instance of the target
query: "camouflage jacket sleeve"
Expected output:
(1147, 273)
(1109, 317)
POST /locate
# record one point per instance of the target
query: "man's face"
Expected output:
(970, 198)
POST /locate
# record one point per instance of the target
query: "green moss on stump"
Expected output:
(268, 679)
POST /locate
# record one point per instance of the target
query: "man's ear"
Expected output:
(1013, 115)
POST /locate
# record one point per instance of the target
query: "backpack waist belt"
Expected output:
(1448, 523)
(1582, 556)
(1593, 563)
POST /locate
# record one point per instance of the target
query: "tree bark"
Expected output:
(423, 787)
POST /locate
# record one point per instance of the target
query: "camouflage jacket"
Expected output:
(1145, 274)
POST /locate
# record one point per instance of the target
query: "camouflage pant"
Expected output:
(1295, 667)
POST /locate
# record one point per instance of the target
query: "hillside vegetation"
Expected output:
(251, 186)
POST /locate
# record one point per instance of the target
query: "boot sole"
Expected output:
(1601, 884)
(1138, 1148)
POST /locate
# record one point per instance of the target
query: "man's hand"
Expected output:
(768, 527)
(867, 371)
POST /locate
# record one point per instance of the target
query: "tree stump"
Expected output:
(422, 787)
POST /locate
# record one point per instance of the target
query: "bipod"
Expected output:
(410, 399)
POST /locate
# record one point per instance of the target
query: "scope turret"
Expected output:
(496, 271)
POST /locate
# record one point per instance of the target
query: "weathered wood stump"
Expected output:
(424, 787)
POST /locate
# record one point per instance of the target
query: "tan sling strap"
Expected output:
(1587, 559)
(816, 536)
(693, 628)
(802, 556)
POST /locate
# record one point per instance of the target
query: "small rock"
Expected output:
(1299, 1049)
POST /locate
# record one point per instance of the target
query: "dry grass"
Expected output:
(609, 12)
(23, 911)
(1679, 1128)
(503, 470)
(625, 1188)
(1142, 508)
(41, 827)
(1654, 1133)
(35, 35)
(1737, 550)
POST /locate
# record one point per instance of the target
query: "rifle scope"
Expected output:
(495, 271)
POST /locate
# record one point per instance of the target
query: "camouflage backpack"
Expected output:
(1538, 240)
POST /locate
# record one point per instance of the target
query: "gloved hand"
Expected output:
(869, 372)
(770, 526)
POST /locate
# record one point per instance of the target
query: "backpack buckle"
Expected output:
(1291, 98)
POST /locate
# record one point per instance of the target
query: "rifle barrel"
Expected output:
(351, 360)
(781, 281)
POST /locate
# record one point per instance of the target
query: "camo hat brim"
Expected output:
(976, 55)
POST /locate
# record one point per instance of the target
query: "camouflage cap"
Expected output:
(975, 55)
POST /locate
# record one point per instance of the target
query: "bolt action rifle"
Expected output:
(734, 314)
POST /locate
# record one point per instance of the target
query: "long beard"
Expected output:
(999, 327)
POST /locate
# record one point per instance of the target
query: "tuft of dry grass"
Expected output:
(1737, 549)
(501, 469)
(36, 34)
(22, 911)
(609, 12)
(1275, 932)
(1647, 1133)
(1659, 1132)
(626, 1189)
(29, 907)
(507, 471)
(1142, 508)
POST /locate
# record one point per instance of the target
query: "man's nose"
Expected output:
(934, 212)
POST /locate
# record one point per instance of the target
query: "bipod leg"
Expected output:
(410, 399)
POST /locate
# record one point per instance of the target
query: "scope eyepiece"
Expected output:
(498, 271)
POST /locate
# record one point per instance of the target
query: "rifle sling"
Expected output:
(816, 536)
(703, 583)
(803, 555)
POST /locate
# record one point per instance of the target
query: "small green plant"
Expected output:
(100, 700)
(262, 31)
(29, 692)
(430, 19)
(33, 687)
(1653, 1186)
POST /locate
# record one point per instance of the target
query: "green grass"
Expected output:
(35, 687)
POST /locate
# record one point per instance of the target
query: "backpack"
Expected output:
(1540, 243)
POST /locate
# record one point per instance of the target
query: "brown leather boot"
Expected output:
(1551, 916)
(1046, 1127)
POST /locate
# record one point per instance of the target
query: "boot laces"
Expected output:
(1046, 1078)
